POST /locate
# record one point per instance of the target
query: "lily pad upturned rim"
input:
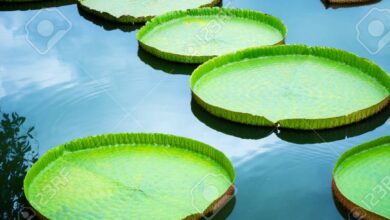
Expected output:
(130, 18)
(346, 203)
(342, 56)
(119, 139)
(236, 12)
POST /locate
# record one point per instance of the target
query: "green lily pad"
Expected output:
(127, 11)
(361, 179)
(129, 176)
(291, 86)
(197, 35)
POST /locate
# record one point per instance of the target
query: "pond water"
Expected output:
(93, 78)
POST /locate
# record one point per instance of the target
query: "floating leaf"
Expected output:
(292, 86)
(197, 35)
(126, 11)
(361, 180)
(129, 176)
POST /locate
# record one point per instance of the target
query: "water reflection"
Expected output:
(227, 127)
(347, 214)
(330, 135)
(23, 6)
(17, 154)
(226, 210)
(289, 135)
(108, 25)
(166, 66)
(348, 5)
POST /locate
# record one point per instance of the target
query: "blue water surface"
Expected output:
(73, 75)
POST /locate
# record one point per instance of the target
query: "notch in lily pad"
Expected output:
(291, 86)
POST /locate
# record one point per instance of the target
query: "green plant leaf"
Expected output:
(294, 86)
(362, 178)
(126, 11)
(128, 176)
(201, 34)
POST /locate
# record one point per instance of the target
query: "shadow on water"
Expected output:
(228, 127)
(330, 135)
(328, 5)
(17, 154)
(23, 6)
(166, 66)
(289, 135)
(354, 214)
(108, 25)
(226, 210)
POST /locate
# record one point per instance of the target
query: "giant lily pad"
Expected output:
(361, 180)
(291, 86)
(129, 176)
(130, 11)
(197, 35)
